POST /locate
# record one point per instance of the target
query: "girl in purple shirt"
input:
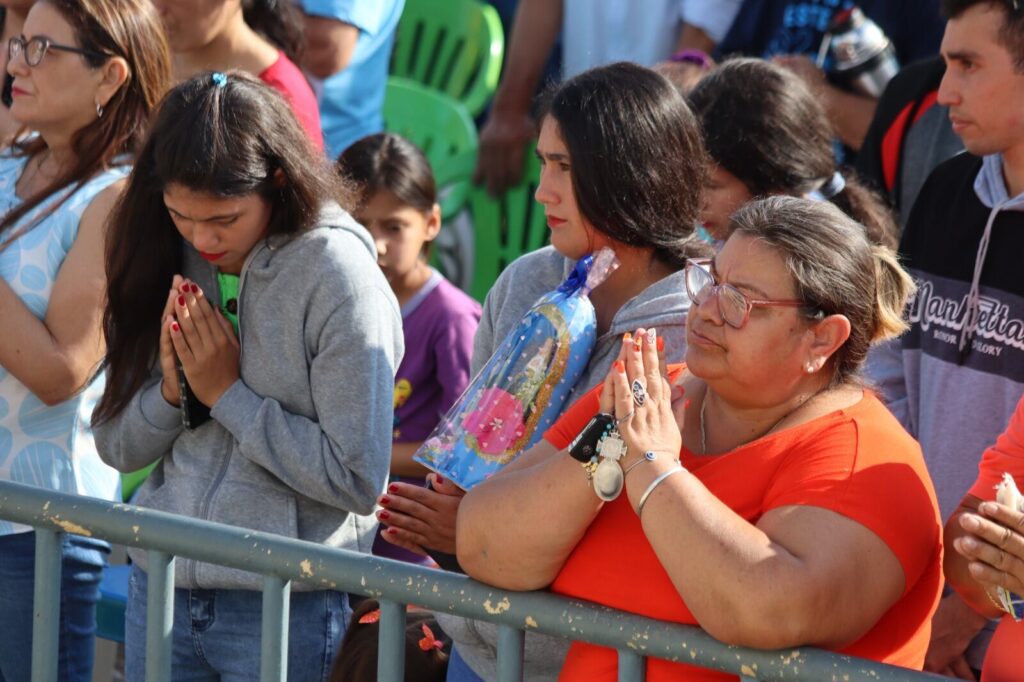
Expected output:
(398, 205)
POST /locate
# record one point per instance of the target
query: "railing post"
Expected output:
(159, 615)
(274, 636)
(632, 666)
(46, 606)
(391, 647)
(511, 642)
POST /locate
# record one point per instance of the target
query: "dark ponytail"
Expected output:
(279, 21)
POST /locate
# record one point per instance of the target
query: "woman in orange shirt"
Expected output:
(987, 549)
(768, 497)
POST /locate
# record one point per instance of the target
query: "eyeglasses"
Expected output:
(36, 48)
(733, 305)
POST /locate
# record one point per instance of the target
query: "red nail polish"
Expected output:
(385, 515)
(393, 488)
(385, 499)
(175, 327)
(195, 288)
(686, 404)
(620, 366)
(392, 531)
(439, 479)
(181, 300)
(661, 344)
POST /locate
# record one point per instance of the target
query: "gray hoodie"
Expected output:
(662, 305)
(303, 438)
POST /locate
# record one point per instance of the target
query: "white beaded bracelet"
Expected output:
(654, 484)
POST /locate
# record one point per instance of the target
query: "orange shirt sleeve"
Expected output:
(574, 419)
(870, 471)
(1006, 456)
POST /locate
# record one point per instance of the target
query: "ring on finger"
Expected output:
(639, 392)
(626, 418)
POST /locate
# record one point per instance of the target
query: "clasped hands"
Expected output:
(994, 545)
(198, 335)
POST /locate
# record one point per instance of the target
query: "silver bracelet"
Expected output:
(649, 456)
(654, 484)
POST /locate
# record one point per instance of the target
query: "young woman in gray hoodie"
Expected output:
(282, 425)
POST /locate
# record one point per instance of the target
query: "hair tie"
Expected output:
(690, 56)
(831, 187)
(219, 79)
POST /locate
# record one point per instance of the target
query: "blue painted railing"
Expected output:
(281, 560)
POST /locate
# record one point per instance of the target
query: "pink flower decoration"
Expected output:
(497, 422)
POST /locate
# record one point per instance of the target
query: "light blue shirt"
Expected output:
(48, 447)
(351, 100)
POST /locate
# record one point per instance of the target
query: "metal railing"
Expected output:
(281, 560)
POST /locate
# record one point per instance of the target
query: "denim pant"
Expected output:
(81, 571)
(458, 671)
(217, 633)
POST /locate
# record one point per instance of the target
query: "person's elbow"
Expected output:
(62, 381)
(330, 45)
(782, 623)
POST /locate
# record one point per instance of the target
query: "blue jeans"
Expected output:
(217, 633)
(458, 671)
(81, 571)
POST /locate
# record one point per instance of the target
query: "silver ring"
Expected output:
(626, 418)
(639, 393)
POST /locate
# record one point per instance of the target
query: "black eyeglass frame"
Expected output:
(23, 48)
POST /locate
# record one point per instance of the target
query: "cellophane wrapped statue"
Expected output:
(523, 387)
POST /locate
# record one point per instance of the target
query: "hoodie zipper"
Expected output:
(204, 508)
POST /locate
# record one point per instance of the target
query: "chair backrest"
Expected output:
(505, 227)
(442, 129)
(455, 46)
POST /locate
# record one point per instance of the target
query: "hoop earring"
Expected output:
(99, 110)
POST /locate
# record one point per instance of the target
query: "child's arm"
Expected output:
(401, 460)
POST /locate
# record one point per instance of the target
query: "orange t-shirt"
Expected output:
(1003, 660)
(858, 462)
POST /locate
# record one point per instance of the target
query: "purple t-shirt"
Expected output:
(439, 323)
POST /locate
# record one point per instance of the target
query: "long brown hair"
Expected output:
(129, 29)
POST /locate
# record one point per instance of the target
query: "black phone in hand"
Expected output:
(193, 413)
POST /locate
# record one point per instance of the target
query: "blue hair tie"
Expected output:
(219, 79)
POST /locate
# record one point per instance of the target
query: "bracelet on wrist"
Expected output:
(661, 478)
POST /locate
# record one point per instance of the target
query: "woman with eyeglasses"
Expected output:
(776, 503)
(86, 76)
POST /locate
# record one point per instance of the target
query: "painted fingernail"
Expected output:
(175, 327)
(384, 499)
(384, 514)
(181, 300)
(439, 478)
(652, 336)
(195, 288)
(661, 345)
(392, 531)
(392, 488)
(686, 405)
(619, 365)
(627, 337)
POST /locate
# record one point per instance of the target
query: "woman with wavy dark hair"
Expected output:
(261, 37)
(86, 75)
(231, 237)
(766, 134)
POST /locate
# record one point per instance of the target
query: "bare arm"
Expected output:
(509, 127)
(401, 460)
(56, 356)
(329, 45)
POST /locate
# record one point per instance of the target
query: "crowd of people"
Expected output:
(214, 263)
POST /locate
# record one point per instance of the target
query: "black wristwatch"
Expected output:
(583, 448)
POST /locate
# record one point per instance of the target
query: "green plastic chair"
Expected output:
(455, 46)
(440, 127)
(506, 227)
